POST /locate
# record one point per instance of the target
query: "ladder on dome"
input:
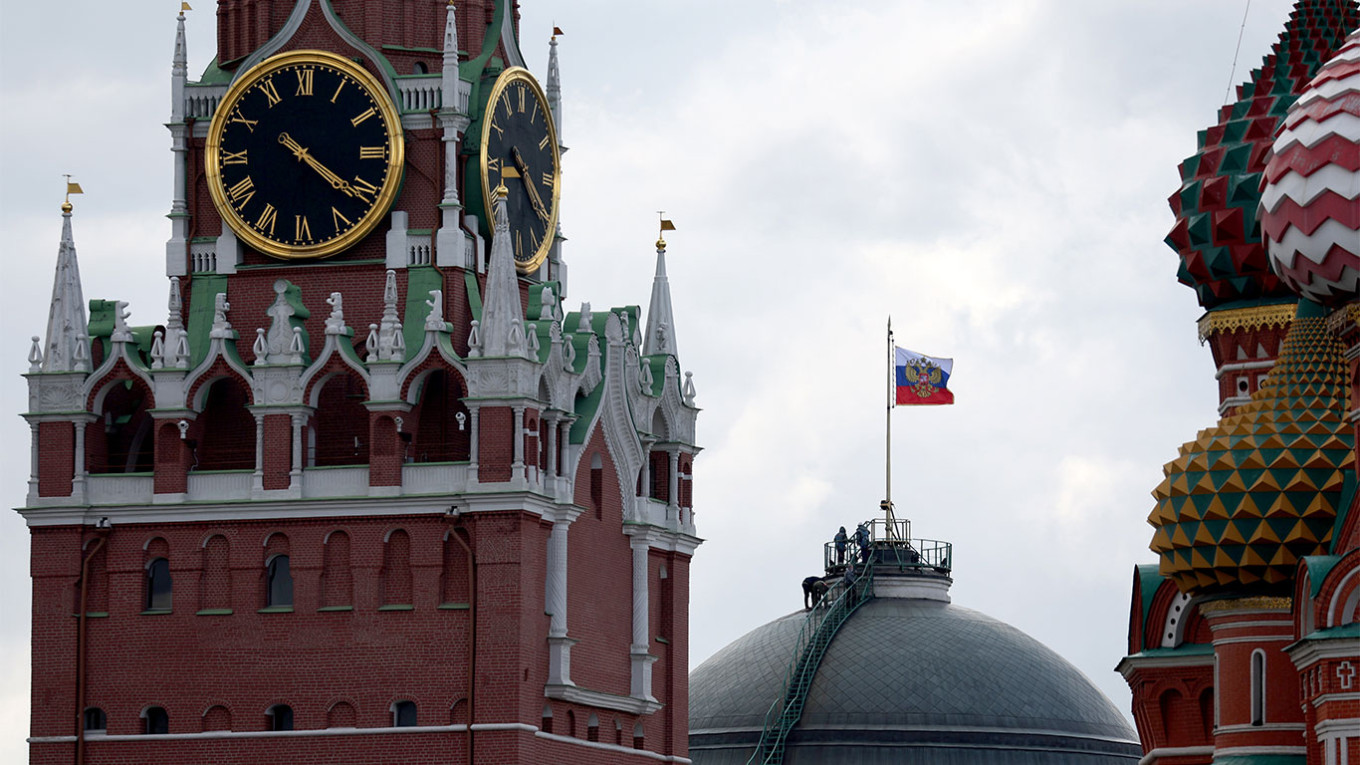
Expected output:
(819, 627)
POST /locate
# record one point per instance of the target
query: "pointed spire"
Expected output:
(179, 71)
(67, 327)
(554, 89)
(660, 336)
(502, 324)
(449, 80)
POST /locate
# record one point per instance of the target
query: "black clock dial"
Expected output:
(519, 150)
(307, 155)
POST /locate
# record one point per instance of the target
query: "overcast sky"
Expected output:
(993, 174)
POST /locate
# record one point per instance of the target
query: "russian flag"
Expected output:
(922, 379)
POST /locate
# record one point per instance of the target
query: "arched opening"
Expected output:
(592, 728)
(279, 717)
(571, 724)
(1258, 687)
(340, 715)
(339, 431)
(214, 590)
(124, 443)
(404, 714)
(217, 718)
(96, 720)
(337, 580)
(638, 739)
(278, 583)
(547, 723)
(396, 570)
(158, 588)
(226, 429)
(420, 68)
(442, 421)
(1206, 714)
(1168, 705)
(155, 721)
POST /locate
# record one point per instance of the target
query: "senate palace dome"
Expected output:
(908, 677)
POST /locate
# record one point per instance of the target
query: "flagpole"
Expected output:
(887, 451)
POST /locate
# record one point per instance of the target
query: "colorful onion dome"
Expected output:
(1310, 208)
(1216, 232)
(1250, 496)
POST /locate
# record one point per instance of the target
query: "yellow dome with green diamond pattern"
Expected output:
(1250, 496)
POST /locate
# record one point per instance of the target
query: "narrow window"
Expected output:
(158, 585)
(156, 721)
(1258, 687)
(618, 732)
(597, 485)
(638, 742)
(95, 719)
(547, 719)
(280, 591)
(404, 714)
(280, 717)
(593, 728)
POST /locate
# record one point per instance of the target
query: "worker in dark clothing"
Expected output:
(813, 590)
(862, 539)
(849, 580)
(841, 540)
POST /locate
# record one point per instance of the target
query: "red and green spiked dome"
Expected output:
(1216, 233)
(1310, 207)
(1248, 497)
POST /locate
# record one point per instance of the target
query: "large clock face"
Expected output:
(304, 155)
(519, 150)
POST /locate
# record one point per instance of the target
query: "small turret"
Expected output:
(501, 330)
(660, 336)
(67, 328)
(177, 247)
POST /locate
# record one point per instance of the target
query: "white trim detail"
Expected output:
(585, 697)
(609, 748)
(1151, 758)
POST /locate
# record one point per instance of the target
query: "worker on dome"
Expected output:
(841, 540)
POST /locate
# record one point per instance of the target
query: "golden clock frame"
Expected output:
(508, 77)
(391, 182)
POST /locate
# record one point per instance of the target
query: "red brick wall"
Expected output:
(495, 447)
(278, 450)
(56, 458)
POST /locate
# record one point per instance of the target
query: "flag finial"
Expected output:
(665, 226)
(71, 188)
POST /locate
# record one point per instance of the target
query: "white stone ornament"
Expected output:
(688, 392)
(35, 355)
(221, 328)
(434, 321)
(335, 323)
(121, 333)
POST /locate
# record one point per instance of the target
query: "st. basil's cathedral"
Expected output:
(1244, 636)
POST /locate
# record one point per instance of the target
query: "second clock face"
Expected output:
(304, 155)
(519, 150)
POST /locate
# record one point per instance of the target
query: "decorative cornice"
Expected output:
(578, 695)
(1233, 319)
(1254, 603)
(1345, 320)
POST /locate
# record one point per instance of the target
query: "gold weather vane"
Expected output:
(184, 7)
(666, 225)
(71, 188)
(556, 29)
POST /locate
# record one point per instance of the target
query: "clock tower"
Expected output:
(370, 492)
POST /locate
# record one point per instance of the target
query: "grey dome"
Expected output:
(909, 680)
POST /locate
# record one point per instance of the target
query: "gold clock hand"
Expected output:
(303, 155)
(534, 198)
